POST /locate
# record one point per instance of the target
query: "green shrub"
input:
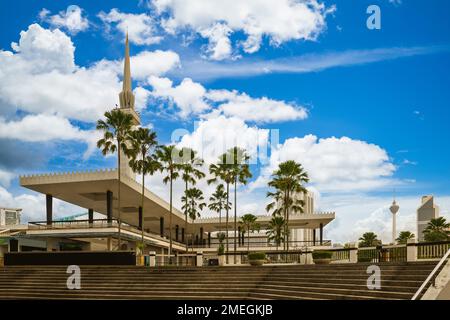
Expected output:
(322, 254)
(256, 256)
(221, 250)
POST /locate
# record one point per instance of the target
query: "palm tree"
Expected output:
(249, 224)
(141, 147)
(404, 236)
(369, 239)
(221, 238)
(116, 128)
(437, 230)
(218, 202)
(276, 229)
(222, 171)
(240, 173)
(167, 156)
(190, 173)
(288, 181)
(193, 203)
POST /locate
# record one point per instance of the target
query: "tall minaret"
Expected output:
(126, 98)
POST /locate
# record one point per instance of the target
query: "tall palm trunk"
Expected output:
(248, 239)
(170, 221)
(287, 222)
(142, 206)
(185, 219)
(285, 219)
(226, 222)
(235, 220)
(118, 187)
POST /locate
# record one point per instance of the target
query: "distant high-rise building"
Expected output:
(428, 210)
(9, 216)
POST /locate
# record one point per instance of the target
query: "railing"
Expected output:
(340, 254)
(394, 254)
(432, 250)
(261, 244)
(186, 260)
(284, 257)
(73, 224)
(383, 254)
(271, 257)
(432, 277)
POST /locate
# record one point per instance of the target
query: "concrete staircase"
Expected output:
(337, 281)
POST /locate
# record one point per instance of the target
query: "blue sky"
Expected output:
(365, 111)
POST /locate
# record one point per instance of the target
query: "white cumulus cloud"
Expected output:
(41, 128)
(72, 19)
(216, 20)
(334, 164)
(213, 137)
(241, 105)
(6, 178)
(191, 98)
(140, 27)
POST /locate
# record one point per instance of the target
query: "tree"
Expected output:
(222, 171)
(437, 230)
(190, 174)
(288, 181)
(218, 202)
(404, 236)
(116, 128)
(168, 156)
(369, 239)
(237, 159)
(221, 238)
(193, 203)
(276, 230)
(249, 224)
(141, 151)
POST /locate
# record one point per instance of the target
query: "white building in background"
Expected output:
(9, 216)
(428, 210)
(301, 235)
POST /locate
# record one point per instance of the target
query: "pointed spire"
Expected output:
(126, 67)
(126, 96)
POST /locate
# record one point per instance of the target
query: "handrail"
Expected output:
(432, 274)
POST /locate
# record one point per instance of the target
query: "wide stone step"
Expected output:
(314, 278)
(343, 281)
(310, 296)
(106, 296)
(49, 293)
(299, 290)
(203, 286)
(145, 281)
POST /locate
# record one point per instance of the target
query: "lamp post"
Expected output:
(394, 209)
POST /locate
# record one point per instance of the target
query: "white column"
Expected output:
(394, 228)
(411, 250)
(152, 258)
(353, 255)
(199, 257)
